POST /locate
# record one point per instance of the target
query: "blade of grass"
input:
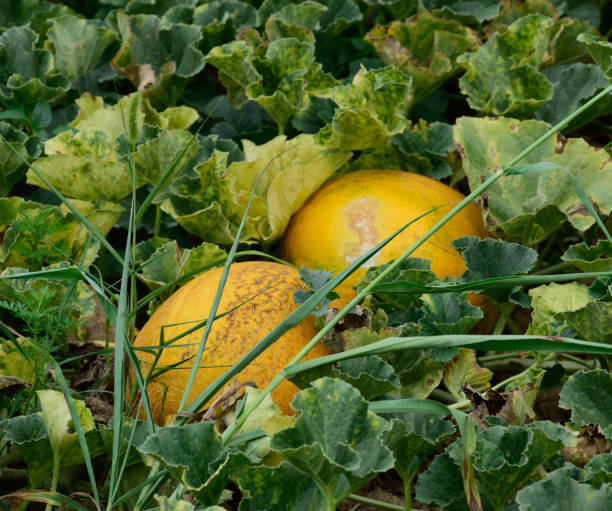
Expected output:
(46, 497)
(481, 342)
(484, 284)
(118, 369)
(123, 310)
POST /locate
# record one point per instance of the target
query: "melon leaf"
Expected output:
(335, 440)
(193, 454)
(424, 47)
(529, 207)
(212, 204)
(562, 488)
(502, 77)
(588, 394)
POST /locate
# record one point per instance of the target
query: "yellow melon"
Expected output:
(262, 295)
(352, 213)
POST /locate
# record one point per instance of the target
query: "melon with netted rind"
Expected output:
(257, 297)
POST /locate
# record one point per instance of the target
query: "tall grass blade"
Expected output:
(480, 342)
(120, 334)
(484, 284)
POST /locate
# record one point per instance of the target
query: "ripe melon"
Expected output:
(349, 215)
(262, 295)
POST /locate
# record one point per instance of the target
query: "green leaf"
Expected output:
(467, 12)
(235, 121)
(574, 85)
(57, 418)
(588, 394)
(503, 460)
(448, 313)
(26, 72)
(562, 491)
(267, 419)
(46, 308)
(585, 11)
(163, 261)
(595, 258)
(156, 58)
(168, 504)
(12, 167)
(490, 258)
(528, 207)
(502, 77)
(280, 488)
(370, 375)
(335, 440)
(340, 15)
(412, 438)
(23, 11)
(371, 109)
(220, 20)
(431, 141)
(85, 162)
(281, 79)
(42, 235)
(600, 50)
(194, 455)
(336, 18)
(513, 11)
(78, 44)
(505, 457)
(111, 120)
(562, 47)
(299, 21)
(153, 157)
(212, 205)
(424, 47)
(57, 443)
(442, 484)
(600, 467)
(24, 428)
(562, 307)
(522, 394)
(419, 373)
(411, 269)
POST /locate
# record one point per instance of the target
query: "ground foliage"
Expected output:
(102, 102)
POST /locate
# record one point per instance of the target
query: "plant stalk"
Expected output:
(376, 503)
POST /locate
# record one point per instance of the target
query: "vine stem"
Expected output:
(54, 477)
(234, 426)
(512, 378)
(376, 503)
